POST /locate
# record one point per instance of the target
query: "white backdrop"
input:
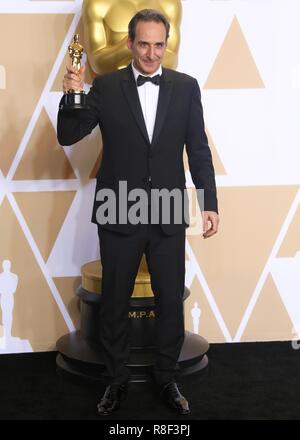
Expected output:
(245, 281)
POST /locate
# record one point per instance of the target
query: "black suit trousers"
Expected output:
(120, 259)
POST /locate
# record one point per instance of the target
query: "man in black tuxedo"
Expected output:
(146, 114)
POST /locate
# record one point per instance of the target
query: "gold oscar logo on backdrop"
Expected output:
(225, 276)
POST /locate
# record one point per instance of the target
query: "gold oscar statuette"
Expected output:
(75, 99)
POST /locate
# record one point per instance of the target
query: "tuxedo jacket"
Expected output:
(128, 155)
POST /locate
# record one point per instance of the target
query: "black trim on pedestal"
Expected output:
(80, 351)
(83, 358)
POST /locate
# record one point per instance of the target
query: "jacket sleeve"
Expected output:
(74, 125)
(199, 154)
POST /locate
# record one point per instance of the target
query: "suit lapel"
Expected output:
(132, 96)
(165, 91)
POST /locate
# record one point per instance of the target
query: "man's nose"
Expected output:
(150, 52)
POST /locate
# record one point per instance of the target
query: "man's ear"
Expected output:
(129, 43)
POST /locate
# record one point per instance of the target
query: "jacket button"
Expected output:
(147, 180)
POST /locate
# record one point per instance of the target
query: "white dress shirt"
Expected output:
(148, 94)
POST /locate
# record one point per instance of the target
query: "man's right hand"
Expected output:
(74, 79)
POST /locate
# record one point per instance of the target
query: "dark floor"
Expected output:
(249, 381)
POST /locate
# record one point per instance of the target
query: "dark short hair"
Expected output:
(147, 15)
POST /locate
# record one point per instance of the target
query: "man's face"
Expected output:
(148, 47)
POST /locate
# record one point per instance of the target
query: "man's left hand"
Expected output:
(210, 223)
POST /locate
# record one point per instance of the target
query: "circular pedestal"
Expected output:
(80, 351)
(83, 358)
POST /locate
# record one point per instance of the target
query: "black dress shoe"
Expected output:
(175, 399)
(112, 397)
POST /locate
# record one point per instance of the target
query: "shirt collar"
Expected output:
(137, 73)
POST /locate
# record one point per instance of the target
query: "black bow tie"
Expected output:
(142, 79)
